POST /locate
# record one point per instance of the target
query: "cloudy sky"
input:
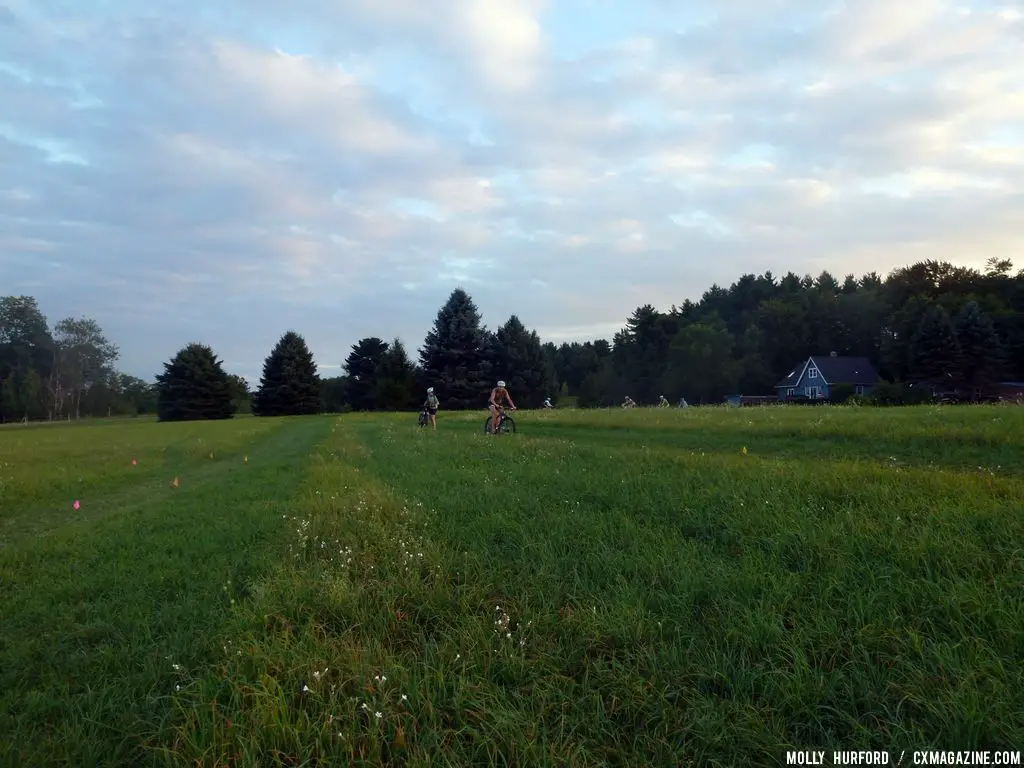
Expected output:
(224, 172)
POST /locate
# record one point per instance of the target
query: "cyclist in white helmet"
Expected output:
(499, 399)
(430, 405)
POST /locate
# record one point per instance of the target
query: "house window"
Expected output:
(812, 373)
(859, 389)
(790, 392)
(812, 391)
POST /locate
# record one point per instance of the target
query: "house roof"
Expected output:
(835, 370)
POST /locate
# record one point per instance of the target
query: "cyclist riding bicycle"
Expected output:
(499, 398)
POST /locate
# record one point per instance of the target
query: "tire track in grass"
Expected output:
(383, 649)
(752, 560)
(28, 513)
(96, 614)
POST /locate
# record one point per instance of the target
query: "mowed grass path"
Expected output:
(603, 588)
(98, 603)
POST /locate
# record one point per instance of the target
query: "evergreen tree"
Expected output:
(395, 380)
(520, 360)
(290, 385)
(640, 351)
(361, 368)
(752, 372)
(333, 393)
(981, 353)
(603, 387)
(935, 352)
(241, 396)
(701, 366)
(193, 387)
(456, 355)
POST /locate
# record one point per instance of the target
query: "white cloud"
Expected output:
(340, 167)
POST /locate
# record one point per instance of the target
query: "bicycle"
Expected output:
(424, 418)
(506, 424)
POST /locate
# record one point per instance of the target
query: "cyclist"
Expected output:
(662, 401)
(547, 402)
(430, 405)
(499, 398)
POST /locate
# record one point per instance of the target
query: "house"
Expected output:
(814, 377)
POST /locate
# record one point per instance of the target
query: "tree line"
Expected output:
(931, 322)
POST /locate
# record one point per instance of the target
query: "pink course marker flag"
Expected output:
(76, 505)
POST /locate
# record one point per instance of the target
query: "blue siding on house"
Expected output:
(807, 383)
(808, 379)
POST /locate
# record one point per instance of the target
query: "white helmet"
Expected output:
(501, 384)
(430, 390)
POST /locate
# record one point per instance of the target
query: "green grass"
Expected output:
(602, 588)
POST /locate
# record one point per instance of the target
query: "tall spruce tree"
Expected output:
(981, 356)
(455, 356)
(520, 360)
(194, 387)
(395, 380)
(935, 351)
(290, 385)
(361, 367)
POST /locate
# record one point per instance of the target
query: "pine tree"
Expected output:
(935, 352)
(193, 387)
(290, 385)
(700, 364)
(361, 367)
(520, 360)
(456, 355)
(981, 351)
(395, 380)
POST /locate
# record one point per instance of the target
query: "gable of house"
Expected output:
(827, 371)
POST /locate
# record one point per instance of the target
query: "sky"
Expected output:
(227, 172)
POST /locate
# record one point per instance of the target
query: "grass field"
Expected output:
(602, 588)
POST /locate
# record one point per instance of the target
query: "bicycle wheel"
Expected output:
(508, 425)
(487, 426)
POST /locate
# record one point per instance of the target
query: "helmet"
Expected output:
(429, 390)
(501, 384)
